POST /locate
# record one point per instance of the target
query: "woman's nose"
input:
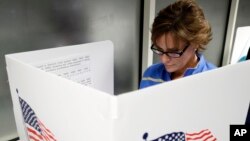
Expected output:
(165, 59)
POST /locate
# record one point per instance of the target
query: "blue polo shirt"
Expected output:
(157, 73)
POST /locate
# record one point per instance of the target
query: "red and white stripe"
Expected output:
(204, 135)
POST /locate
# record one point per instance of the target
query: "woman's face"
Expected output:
(188, 59)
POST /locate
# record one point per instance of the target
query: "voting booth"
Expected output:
(241, 45)
(66, 93)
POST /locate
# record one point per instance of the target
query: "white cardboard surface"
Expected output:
(211, 100)
(241, 44)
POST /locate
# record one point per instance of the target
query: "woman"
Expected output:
(179, 33)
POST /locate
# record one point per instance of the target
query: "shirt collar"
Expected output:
(198, 67)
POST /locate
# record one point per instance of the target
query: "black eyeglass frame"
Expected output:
(169, 53)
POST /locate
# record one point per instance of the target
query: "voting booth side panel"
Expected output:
(241, 45)
(68, 110)
(16, 105)
(206, 103)
(90, 64)
(57, 107)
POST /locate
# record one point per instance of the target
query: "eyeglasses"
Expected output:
(168, 53)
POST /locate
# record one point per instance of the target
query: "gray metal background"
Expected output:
(243, 18)
(36, 24)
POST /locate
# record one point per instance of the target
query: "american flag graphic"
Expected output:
(204, 135)
(36, 130)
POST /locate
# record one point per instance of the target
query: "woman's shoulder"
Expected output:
(210, 66)
(206, 64)
(154, 69)
(153, 75)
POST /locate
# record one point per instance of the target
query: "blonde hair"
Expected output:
(186, 20)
